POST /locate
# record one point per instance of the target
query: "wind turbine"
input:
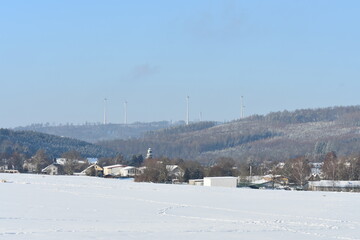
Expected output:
(125, 112)
(187, 110)
(242, 107)
(105, 103)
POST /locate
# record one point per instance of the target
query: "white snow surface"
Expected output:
(71, 207)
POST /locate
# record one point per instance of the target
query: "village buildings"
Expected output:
(53, 169)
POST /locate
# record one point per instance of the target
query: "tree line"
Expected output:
(296, 170)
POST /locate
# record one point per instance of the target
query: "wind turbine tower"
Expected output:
(105, 105)
(125, 112)
(242, 107)
(187, 110)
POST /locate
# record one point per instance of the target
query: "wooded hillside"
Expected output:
(28, 143)
(275, 136)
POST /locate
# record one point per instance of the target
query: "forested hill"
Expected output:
(275, 136)
(28, 143)
(98, 132)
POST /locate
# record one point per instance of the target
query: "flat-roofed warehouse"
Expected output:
(220, 181)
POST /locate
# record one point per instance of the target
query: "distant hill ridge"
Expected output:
(99, 132)
(275, 136)
(29, 142)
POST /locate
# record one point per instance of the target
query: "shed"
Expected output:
(220, 182)
(197, 182)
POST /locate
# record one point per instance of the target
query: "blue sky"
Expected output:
(60, 59)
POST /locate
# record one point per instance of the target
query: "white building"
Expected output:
(220, 181)
(130, 171)
(113, 170)
(121, 171)
(53, 169)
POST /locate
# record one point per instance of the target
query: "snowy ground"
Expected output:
(68, 207)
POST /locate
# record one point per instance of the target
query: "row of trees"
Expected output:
(156, 171)
(296, 170)
(344, 168)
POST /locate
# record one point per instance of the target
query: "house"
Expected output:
(93, 170)
(174, 171)
(53, 169)
(113, 170)
(129, 171)
(337, 186)
(29, 166)
(3, 168)
(4, 164)
(220, 182)
(316, 168)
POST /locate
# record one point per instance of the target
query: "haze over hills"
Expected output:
(99, 132)
(275, 136)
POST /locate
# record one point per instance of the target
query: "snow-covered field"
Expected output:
(68, 207)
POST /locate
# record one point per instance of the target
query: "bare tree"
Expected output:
(349, 168)
(155, 171)
(331, 166)
(41, 160)
(73, 163)
(297, 170)
(224, 167)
